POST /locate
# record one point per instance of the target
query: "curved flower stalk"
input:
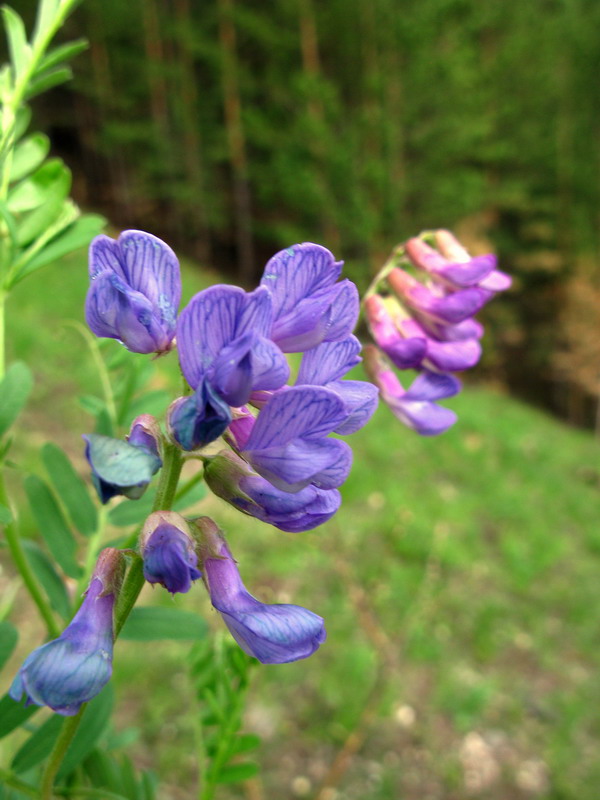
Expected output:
(135, 291)
(274, 634)
(69, 671)
(429, 326)
(125, 468)
(169, 552)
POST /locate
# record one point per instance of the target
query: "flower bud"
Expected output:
(169, 552)
(196, 421)
(71, 670)
(125, 468)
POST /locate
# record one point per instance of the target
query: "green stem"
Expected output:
(132, 586)
(11, 780)
(19, 557)
(65, 737)
(92, 552)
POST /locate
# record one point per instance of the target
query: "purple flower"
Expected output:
(135, 291)
(405, 353)
(229, 477)
(325, 365)
(69, 671)
(274, 634)
(193, 422)
(448, 309)
(125, 468)
(222, 336)
(288, 444)
(310, 306)
(414, 407)
(457, 273)
(168, 550)
(452, 250)
(443, 356)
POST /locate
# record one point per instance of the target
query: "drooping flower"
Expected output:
(169, 552)
(310, 305)
(326, 365)
(135, 291)
(68, 671)
(125, 468)
(414, 407)
(274, 634)
(232, 479)
(288, 444)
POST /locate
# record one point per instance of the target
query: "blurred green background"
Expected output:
(459, 582)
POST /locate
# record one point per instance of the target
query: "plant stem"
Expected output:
(19, 557)
(11, 780)
(65, 737)
(132, 586)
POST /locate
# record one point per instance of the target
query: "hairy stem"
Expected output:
(65, 737)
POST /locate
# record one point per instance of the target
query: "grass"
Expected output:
(459, 584)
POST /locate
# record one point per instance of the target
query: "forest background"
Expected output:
(232, 129)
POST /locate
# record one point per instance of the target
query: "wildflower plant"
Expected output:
(268, 442)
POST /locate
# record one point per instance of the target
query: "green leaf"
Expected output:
(39, 745)
(46, 11)
(14, 391)
(48, 577)
(78, 235)
(8, 641)
(48, 80)
(195, 494)
(28, 156)
(149, 623)
(52, 524)
(62, 53)
(13, 714)
(6, 516)
(22, 121)
(235, 773)
(20, 52)
(71, 489)
(56, 185)
(92, 726)
(246, 742)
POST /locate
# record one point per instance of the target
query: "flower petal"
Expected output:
(324, 463)
(432, 386)
(328, 362)
(360, 399)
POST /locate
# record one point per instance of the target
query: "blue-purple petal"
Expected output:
(323, 462)
(329, 362)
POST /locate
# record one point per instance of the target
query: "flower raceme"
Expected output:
(69, 671)
(429, 326)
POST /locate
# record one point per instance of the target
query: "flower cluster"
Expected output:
(282, 465)
(428, 326)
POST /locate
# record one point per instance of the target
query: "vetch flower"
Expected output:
(135, 291)
(414, 407)
(169, 552)
(125, 468)
(451, 249)
(288, 444)
(232, 479)
(274, 634)
(326, 365)
(310, 306)
(458, 273)
(68, 671)
(195, 421)
(405, 353)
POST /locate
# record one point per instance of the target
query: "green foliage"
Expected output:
(8, 641)
(149, 623)
(14, 391)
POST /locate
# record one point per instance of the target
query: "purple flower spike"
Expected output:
(405, 353)
(168, 550)
(231, 478)
(274, 634)
(309, 306)
(288, 444)
(457, 274)
(71, 670)
(449, 308)
(325, 365)
(414, 408)
(135, 291)
(222, 336)
(469, 329)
